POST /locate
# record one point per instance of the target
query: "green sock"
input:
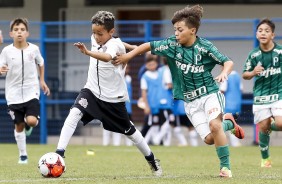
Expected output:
(227, 125)
(223, 155)
(273, 126)
(264, 144)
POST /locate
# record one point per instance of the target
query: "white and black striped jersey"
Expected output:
(22, 82)
(105, 80)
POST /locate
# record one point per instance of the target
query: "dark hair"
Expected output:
(190, 15)
(18, 21)
(150, 58)
(105, 18)
(268, 22)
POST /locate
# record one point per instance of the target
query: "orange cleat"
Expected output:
(237, 130)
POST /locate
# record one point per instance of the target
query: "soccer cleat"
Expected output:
(265, 163)
(23, 159)
(155, 167)
(28, 130)
(225, 173)
(237, 130)
(61, 152)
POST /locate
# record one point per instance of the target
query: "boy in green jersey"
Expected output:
(264, 64)
(191, 60)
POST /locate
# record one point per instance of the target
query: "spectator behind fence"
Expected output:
(232, 90)
(149, 85)
(191, 60)
(104, 94)
(264, 64)
(22, 87)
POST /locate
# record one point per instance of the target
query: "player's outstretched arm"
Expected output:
(227, 68)
(97, 55)
(123, 59)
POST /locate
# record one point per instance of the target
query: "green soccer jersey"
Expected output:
(268, 84)
(190, 66)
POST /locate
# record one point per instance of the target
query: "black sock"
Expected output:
(150, 158)
(27, 127)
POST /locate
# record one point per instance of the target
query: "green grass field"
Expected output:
(126, 165)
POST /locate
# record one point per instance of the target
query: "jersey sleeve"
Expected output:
(217, 56)
(143, 84)
(248, 66)
(113, 47)
(164, 48)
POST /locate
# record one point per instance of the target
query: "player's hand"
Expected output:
(221, 77)
(45, 88)
(120, 59)
(81, 47)
(258, 69)
(4, 69)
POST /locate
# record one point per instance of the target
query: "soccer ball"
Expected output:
(51, 165)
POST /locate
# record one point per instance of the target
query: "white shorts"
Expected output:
(262, 112)
(201, 111)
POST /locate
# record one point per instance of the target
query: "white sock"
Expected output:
(154, 129)
(116, 138)
(167, 138)
(140, 142)
(179, 135)
(21, 142)
(193, 137)
(106, 137)
(165, 128)
(69, 127)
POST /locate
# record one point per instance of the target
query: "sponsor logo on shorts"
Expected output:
(83, 102)
(12, 114)
(213, 110)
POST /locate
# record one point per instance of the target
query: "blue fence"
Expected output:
(64, 66)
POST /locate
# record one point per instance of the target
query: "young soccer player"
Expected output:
(263, 64)
(191, 59)
(104, 94)
(22, 88)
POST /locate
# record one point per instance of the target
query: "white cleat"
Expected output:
(155, 167)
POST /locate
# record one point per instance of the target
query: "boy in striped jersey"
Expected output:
(191, 59)
(264, 64)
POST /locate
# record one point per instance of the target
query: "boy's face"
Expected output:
(151, 65)
(264, 34)
(183, 33)
(19, 33)
(100, 34)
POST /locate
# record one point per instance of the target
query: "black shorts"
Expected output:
(19, 111)
(182, 120)
(114, 116)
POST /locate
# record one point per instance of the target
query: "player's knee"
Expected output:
(31, 121)
(215, 126)
(209, 139)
